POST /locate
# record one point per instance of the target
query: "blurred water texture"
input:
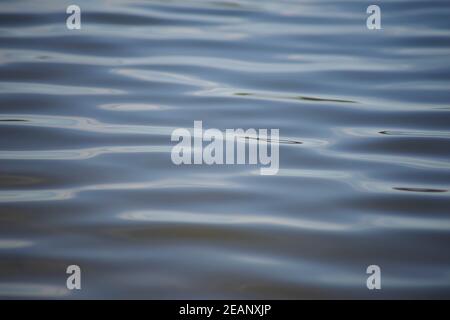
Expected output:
(85, 170)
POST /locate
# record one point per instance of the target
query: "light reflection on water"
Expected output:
(86, 176)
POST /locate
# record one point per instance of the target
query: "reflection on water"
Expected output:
(86, 175)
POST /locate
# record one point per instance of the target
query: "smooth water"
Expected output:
(86, 176)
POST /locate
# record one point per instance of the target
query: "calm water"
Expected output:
(86, 176)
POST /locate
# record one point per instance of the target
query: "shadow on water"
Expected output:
(86, 175)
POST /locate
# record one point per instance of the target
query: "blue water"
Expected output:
(86, 176)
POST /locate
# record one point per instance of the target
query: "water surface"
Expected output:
(86, 176)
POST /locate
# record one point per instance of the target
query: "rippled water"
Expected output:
(86, 176)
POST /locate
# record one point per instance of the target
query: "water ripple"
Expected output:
(86, 176)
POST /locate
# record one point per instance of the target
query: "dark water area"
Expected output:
(86, 176)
